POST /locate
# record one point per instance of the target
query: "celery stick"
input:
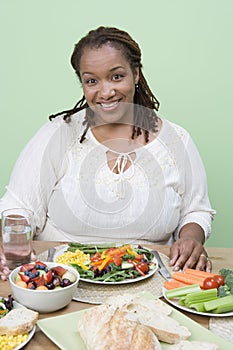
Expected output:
(188, 303)
(178, 292)
(182, 300)
(223, 308)
(198, 307)
(217, 305)
(204, 295)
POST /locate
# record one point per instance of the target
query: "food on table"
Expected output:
(130, 320)
(107, 263)
(37, 275)
(105, 327)
(15, 325)
(18, 321)
(210, 292)
(117, 320)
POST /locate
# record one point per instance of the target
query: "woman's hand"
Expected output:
(188, 250)
(4, 270)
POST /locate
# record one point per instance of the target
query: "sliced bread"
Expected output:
(154, 314)
(18, 321)
(115, 330)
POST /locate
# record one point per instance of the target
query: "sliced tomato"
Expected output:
(143, 267)
(96, 257)
(117, 260)
(110, 250)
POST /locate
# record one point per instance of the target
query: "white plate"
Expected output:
(56, 327)
(17, 305)
(64, 248)
(175, 302)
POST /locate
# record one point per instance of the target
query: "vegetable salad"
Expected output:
(108, 263)
(202, 291)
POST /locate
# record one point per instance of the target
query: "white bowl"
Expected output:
(44, 300)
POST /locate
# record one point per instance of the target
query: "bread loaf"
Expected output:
(18, 321)
(131, 322)
(108, 328)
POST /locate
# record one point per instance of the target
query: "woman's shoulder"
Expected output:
(58, 126)
(169, 127)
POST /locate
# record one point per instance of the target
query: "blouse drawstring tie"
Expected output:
(123, 176)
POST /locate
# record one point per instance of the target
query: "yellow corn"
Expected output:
(77, 257)
(10, 342)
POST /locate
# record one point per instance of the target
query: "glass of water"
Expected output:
(17, 234)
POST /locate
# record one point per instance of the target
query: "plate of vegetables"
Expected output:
(108, 263)
(14, 342)
(201, 292)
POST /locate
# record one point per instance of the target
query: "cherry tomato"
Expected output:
(143, 267)
(219, 279)
(210, 283)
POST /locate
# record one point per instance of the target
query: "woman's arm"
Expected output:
(196, 214)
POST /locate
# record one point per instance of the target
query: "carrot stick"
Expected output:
(172, 284)
(187, 278)
(199, 273)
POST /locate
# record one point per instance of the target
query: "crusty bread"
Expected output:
(107, 328)
(194, 345)
(18, 321)
(153, 313)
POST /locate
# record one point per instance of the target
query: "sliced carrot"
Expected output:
(199, 273)
(172, 284)
(187, 278)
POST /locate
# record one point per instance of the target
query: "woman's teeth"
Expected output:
(109, 105)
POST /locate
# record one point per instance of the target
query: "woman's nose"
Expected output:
(106, 91)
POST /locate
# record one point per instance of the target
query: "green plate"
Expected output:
(62, 330)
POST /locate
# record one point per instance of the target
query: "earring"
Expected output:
(136, 86)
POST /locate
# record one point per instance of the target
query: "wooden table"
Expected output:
(221, 257)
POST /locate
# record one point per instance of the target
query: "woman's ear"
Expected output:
(136, 76)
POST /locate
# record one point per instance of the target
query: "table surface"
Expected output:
(220, 257)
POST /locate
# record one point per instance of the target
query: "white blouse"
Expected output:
(76, 196)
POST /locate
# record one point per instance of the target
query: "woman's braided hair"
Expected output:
(143, 95)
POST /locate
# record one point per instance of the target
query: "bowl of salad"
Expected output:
(44, 286)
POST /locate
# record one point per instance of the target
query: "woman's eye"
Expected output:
(90, 81)
(117, 76)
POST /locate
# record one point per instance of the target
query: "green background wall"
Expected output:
(187, 48)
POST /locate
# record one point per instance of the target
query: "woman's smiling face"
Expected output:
(108, 83)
